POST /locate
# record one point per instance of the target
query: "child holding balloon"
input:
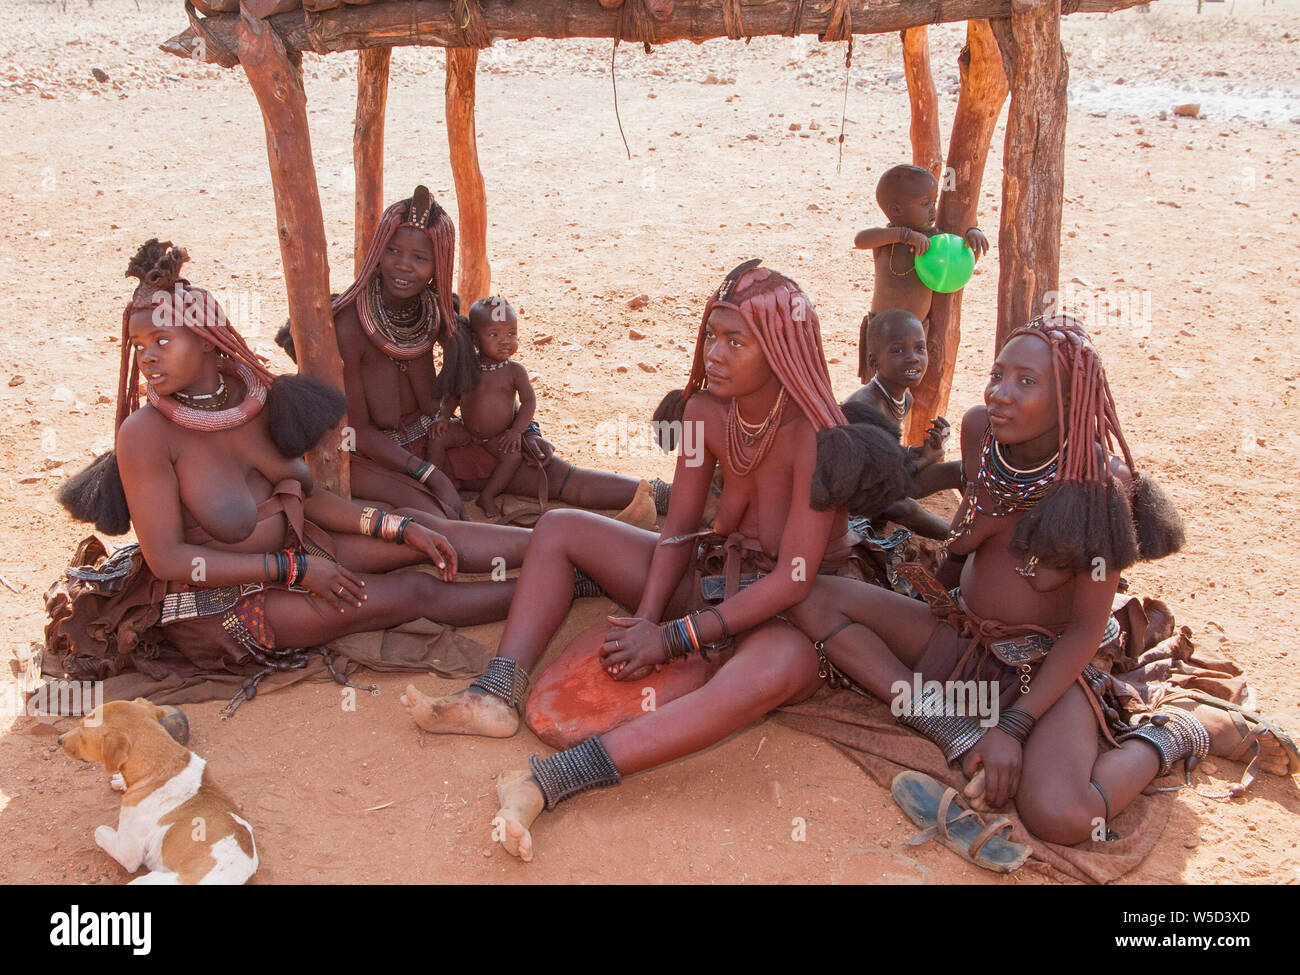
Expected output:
(908, 196)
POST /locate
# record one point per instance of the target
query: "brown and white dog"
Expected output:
(175, 820)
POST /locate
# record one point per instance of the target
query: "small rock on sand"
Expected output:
(17, 380)
(639, 302)
(646, 367)
(1189, 110)
(541, 338)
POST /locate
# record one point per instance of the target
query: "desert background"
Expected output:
(1179, 251)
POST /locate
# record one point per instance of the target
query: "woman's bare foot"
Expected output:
(640, 511)
(467, 712)
(521, 803)
(1226, 738)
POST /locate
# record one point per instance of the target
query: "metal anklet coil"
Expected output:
(504, 678)
(575, 770)
(1180, 735)
(954, 735)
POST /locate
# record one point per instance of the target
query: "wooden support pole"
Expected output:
(924, 101)
(368, 147)
(276, 81)
(983, 93)
(434, 22)
(474, 280)
(1033, 175)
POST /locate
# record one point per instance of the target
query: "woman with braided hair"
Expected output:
(1054, 511)
(244, 555)
(759, 392)
(387, 322)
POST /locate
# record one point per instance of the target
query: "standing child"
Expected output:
(908, 195)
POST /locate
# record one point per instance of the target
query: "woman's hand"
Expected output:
(544, 447)
(1001, 757)
(632, 647)
(433, 547)
(336, 585)
(439, 426)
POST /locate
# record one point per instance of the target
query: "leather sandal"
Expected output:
(933, 807)
(1252, 726)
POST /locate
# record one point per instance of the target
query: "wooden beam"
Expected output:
(474, 280)
(1033, 165)
(368, 147)
(430, 22)
(276, 80)
(983, 93)
(924, 101)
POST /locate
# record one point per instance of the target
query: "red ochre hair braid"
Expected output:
(788, 331)
(1087, 514)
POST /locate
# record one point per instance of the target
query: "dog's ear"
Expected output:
(154, 710)
(116, 748)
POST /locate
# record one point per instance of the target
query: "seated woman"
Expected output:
(210, 475)
(387, 322)
(1051, 517)
(759, 391)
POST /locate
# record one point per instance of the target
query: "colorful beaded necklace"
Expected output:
(1011, 488)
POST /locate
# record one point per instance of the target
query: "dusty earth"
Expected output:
(1177, 250)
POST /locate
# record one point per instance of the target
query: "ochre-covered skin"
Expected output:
(575, 699)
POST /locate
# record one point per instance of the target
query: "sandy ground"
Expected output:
(1173, 252)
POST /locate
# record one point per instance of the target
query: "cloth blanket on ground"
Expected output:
(1152, 658)
(104, 624)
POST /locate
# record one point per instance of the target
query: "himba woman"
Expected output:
(760, 392)
(210, 474)
(1054, 511)
(387, 323)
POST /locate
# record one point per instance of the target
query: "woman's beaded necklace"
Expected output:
(748, 443)
(206, 401)
(209, 419)
(1011, 488)
(401, 335)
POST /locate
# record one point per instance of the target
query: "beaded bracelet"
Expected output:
(392, 528)
(676, 642)
(726, 640)
(370, 521)
(681, 637)
(423, 472)
(1016, 722)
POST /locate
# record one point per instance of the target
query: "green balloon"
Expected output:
(947, 265)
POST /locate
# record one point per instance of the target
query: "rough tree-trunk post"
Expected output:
(368, 146)
(924, 100)
(475, 276)
(277, 83)
(983, 92)
(1033, 169)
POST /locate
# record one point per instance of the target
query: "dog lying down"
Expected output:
(175, 820)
